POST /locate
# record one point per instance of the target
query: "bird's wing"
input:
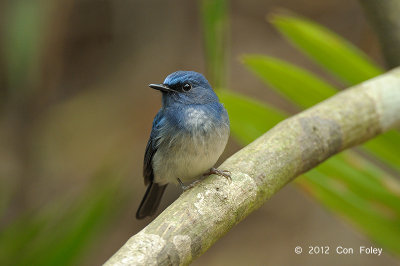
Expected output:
(151, 149)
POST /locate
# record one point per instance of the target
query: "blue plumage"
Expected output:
(189, 134)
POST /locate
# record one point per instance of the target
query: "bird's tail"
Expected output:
(150, 201)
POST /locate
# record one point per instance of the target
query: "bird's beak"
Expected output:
(161, 87)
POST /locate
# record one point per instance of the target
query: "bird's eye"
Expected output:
(186, 87)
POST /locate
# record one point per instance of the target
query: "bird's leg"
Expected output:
(212, 171)
(224, 173)
(184, 188)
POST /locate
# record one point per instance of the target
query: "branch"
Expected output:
(384, 15)
(203, 214)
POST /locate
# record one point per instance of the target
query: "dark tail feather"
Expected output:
(150, 201)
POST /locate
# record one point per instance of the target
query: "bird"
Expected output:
(188, 135)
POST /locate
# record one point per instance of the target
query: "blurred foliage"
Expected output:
(215, 19)
(283, 77)
(352, 186)
(341, 58)
(332, 52)
(61, 232)
(23, 37)
(239, 107)
(361, 193)
(60, 226)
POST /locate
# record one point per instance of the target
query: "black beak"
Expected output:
(161, 87)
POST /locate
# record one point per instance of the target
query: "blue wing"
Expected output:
(151, 149)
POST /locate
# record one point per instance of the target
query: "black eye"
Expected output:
(186, 87)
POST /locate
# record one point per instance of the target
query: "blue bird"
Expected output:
(189, 134)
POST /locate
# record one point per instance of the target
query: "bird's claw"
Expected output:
(224, 173)
(213, 171)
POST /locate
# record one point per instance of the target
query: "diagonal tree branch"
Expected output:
(202, 215)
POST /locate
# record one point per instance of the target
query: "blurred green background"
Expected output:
(76, 114)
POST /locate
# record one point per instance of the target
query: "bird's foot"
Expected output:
(185, 188)
(212, 171)
(215, 171)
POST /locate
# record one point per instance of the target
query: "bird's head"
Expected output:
(185, 87)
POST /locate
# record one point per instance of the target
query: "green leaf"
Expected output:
(305, 90)
(365, 179)
(386, 148)
(248, 117)
(215, 20)
(294, 83)
(364, 201)
(332, 52)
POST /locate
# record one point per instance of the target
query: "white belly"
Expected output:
(187, 157)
